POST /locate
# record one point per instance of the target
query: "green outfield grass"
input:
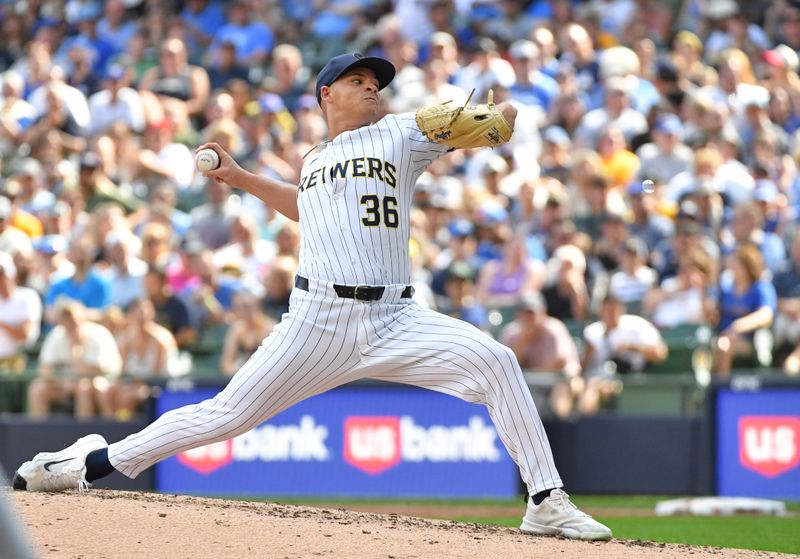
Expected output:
(781, 534)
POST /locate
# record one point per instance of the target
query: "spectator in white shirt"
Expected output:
(77, 359)
(618, 343)
(20, 317)
(116, 102)
(616, 110)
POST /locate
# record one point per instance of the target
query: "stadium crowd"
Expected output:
(652, 181)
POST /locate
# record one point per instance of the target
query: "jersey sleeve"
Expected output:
(423, 152)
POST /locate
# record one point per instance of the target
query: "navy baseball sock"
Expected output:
(538, 498)
(97, 464)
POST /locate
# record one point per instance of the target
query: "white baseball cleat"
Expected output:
(58, 471)
(558, 516)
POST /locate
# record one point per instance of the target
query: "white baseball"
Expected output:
(206, 160)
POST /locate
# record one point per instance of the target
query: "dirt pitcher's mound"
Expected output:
(101, 524)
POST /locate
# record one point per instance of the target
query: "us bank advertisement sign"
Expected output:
(351, 441)
(758, 443)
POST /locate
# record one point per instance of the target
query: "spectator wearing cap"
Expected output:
(253, 39)
(16, 114)
(687, 56)
(460, 301)
(647, 223)
(96, 188)
(162, 157)
(616, 110)
(224, 67)
(86, 285)
(634, 278)
(667, 155)
(556, 158)
(542, 343)
(77, 360)
(747, 302)
(783, 64)
(175, 79)
(116, 102)
(12, 239)
(461, 245)
(20, 317)
(444, 48)
(566, 293)
(50, 263)
(532, 87)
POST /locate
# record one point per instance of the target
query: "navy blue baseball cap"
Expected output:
(338, 65)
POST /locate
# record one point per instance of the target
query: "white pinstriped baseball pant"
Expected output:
(325, 341)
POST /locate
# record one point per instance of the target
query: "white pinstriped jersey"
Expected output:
(354, 199)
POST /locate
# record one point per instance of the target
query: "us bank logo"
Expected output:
(374, 444)
(769, 445)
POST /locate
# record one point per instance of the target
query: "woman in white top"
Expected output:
(148, 351)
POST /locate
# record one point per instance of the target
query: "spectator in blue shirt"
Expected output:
(747, 303)
(253, 40)
(203, 18)
(113, 28)
(86, 285)
(532, 88)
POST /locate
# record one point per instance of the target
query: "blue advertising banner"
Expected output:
(351, 441)
(758, 443)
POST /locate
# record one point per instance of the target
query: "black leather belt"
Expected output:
(357, 292)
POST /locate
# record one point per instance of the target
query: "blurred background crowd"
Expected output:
(649, 194)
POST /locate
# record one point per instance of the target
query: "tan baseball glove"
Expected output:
(469, 126)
